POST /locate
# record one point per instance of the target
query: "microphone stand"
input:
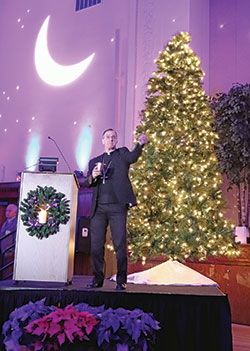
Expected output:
(61, 153)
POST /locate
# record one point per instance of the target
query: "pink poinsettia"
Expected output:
(61, 325)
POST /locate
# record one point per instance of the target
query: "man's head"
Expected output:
(109, 139)
(11, 211)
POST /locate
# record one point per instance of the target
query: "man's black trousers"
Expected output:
(116, 216)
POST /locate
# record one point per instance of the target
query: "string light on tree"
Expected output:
(176, 180)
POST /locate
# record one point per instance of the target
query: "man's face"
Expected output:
(109, 140)
(10, 212)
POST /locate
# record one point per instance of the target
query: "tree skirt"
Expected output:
(169, 273)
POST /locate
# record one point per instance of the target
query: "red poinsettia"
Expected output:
(61, 325)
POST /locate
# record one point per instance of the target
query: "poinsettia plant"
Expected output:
(61, 326)
(136, 329)
(95, 310)
(15, 338)
(37, 327)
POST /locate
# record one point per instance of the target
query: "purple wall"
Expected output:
(74, 114)
(229, 44)
(199, 30)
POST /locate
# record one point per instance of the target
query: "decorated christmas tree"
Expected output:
(176, 180)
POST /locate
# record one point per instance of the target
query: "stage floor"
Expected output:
(191, 317)
(79, 283)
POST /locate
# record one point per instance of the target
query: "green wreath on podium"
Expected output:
(47, 199)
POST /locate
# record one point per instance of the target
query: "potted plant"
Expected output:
(62, 328)
(37, 327)
(15, 338)
(232, 125)
(124, 330)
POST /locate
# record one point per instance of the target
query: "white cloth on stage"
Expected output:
(169, 273)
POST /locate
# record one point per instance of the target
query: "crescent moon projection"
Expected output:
(50, 71)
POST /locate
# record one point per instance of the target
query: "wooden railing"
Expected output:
(6, 270)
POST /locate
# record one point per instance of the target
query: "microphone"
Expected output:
(35, 164)
(61, 153)
(18, 174)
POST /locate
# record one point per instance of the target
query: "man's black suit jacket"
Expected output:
(122, 187)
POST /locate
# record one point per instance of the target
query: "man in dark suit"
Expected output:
(112, 196)
(8, 238)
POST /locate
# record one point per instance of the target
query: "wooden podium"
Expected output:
(48, 259)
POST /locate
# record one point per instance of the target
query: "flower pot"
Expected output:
(241, 234)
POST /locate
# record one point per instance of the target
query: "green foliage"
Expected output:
(232, 148)
(232, 125)
(176, 180)
(46, 198)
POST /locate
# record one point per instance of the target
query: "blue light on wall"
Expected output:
(32, 153)
(83, 148)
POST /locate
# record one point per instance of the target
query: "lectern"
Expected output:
(50, 259)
